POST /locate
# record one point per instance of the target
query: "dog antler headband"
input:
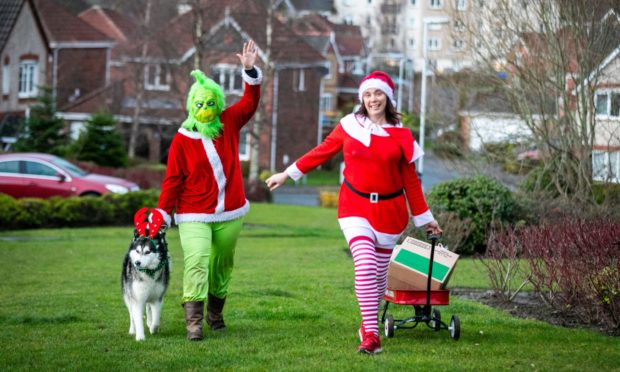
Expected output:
(142, 223)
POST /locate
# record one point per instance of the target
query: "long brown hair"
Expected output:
(391, 115)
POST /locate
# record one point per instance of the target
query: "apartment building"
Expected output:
(395, 28)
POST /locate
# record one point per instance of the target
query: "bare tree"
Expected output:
(542, 56)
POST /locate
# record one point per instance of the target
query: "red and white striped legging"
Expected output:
(371, 263)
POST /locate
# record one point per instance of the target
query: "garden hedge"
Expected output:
(107, 210)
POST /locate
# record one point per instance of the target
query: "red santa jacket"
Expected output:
(203, 178)
(378, 159)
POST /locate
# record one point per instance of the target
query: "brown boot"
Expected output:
(215, 319)
(194, 313)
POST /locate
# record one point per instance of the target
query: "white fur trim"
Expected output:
(352, 226)
(166, 216)
(190, 134)
(250, 80)
(213, 217)
(354, 128)
(423, 219)
(377, 84)
(218, 172)
(417, 151)
(294, 172)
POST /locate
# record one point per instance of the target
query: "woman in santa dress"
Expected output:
(380, 182)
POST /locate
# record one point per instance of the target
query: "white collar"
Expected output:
(361, 128)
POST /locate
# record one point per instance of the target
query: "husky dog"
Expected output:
(146, 271)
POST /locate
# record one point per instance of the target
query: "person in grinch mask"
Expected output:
(203, 183)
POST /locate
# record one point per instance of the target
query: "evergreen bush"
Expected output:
(101, 142)
(480, 200)
(44, 131)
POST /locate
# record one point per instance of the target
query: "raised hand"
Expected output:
(248, 55)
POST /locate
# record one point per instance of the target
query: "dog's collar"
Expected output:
(151, 272)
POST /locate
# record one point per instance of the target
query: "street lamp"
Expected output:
(426, 21)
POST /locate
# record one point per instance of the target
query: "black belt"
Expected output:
(373, 196)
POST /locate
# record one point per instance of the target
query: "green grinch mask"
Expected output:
(205, 103)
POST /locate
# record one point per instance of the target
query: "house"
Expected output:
(289, 113)
(344, 48)
(41, 44)
(606, 148)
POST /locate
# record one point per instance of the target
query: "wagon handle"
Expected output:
(433, 238)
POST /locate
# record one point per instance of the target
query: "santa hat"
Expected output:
(378, 80)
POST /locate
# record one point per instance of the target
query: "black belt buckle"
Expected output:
(374, 197)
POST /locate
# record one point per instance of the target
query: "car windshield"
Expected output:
(71, 168)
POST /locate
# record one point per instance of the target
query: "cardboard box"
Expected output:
(408, 269)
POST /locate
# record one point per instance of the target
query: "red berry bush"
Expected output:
(574, 264)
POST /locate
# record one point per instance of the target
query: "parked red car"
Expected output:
(42, 176)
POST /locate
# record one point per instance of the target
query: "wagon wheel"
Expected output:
(435, 322)
(389, 326)
(455, 327)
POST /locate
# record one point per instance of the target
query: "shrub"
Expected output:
(449, 145)
(503, 263)
(9, 208)
(575, 266)
(81, 211)
(101, 142)
(257, 191)
(328, 199)
(32, 213)
(480, 200)
(110, 209)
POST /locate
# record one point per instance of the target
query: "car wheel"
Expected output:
(90, 193)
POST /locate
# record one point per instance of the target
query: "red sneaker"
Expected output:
(371, 344)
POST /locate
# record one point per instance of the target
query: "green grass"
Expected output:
(291, 307)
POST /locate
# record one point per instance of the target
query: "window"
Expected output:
(461, 4)
(412, 22)
(615, 105)
(6, 79)
(606, 166)
(434, 43)
(459, 26)
(412, 43)
(229, 77)
(608, 104)
(11, 166)
(389, 27)
(458, 44)
(326, 102)
(39, 169)
(28, 79)
(601, 104)
(435, 4)
(244, 144)
(413, 2)
(156, 77)
(299, 83)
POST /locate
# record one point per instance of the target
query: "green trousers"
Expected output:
(208, 257)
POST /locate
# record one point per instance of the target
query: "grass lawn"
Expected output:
(291, 307)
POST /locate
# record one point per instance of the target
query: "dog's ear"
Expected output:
(135, 234)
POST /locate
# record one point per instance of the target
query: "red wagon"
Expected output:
(422, 302)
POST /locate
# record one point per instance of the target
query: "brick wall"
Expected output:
(82, 69)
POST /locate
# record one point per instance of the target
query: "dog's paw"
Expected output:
(154, 329)
(132, 331)
(140, 338)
